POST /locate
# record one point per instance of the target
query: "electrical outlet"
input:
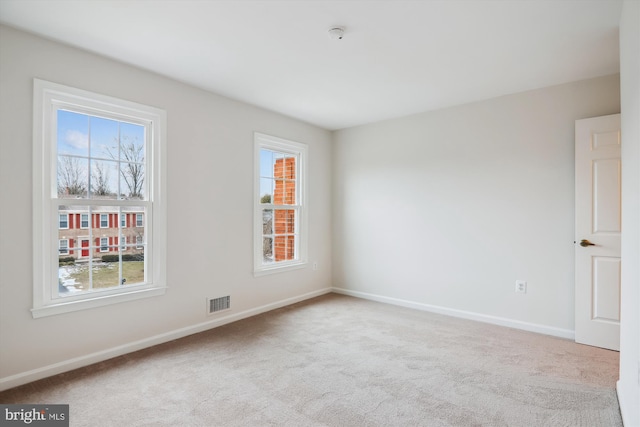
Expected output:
(521, 286)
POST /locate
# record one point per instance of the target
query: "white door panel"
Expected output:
(598, 229)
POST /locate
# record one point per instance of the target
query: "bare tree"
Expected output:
(100, 180)
(131, 158)
(72, 179)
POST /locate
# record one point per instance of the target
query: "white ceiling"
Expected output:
(396, 58)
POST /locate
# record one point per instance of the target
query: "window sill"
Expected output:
(262, 271)
(98, 301)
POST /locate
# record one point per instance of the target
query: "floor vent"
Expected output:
(219, 304)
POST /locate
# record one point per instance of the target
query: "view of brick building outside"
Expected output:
(75, 239)
(284, 173)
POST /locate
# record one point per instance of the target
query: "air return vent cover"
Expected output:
(218, 304)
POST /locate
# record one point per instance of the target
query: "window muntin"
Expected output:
(280, 239)
(99, 156)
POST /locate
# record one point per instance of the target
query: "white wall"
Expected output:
(210, 188)
(445, 210)
(629, 384)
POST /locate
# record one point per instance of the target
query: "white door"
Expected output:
(598, 228)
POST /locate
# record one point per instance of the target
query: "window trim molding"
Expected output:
(45, 242)
(301, 150)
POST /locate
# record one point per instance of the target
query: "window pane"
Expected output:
(132, 142)
(285, 221)
(73, 133)
(266, 163)
(104, 179)
(106, 269)
(132, 181)
(73, 277)
(289, 221)
(104, 138)
(133, 266)
(267, 249)
(266, 190)
(140, 243)
(285, 187)
(267, 221)
(72, 177)
(284, 248)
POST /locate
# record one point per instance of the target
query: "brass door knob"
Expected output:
(584, 243)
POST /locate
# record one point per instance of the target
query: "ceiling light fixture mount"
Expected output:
(336, 33)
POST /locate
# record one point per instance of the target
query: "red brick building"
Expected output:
(82, 235)
(284, 172)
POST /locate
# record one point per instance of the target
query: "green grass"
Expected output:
(106, 275)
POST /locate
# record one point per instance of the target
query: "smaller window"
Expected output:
(280, 214)
(84, 220)
(104, 221)
(123, 243)
(64, 221)
(123, 220)
(63, 246)
(139, 242)
(104, 244)
(139, 222)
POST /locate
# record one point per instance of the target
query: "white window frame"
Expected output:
(48, 97)
(66, 251)
(107, 221)
(139, 242)
(141, 222)
(123, 220)
(299, 150)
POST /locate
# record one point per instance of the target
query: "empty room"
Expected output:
(320, 213)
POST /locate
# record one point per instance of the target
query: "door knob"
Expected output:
(584, 243)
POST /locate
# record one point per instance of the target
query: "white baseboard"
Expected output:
(79, 362)
(516, 324)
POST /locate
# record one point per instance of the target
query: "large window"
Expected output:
(96, 159)
(280, 216)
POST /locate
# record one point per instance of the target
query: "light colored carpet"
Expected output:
(342, 361)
